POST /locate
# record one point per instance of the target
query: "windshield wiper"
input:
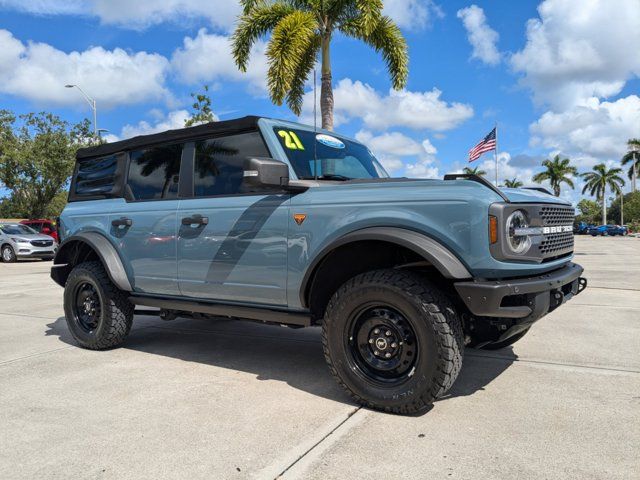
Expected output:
(329, 176)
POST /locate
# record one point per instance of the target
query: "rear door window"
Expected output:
(154, 173)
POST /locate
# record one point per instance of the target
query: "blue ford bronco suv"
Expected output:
(276, 222)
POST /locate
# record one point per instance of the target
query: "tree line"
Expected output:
(37, 155)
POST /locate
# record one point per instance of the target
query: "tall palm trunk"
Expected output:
(604, 207)
(326, 92)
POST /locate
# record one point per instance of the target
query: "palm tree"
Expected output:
(597, 182)
(303, 28)
(474, 171)
(557, 172)
(633, 153)
(513, 183)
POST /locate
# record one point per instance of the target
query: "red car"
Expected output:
(46, 227)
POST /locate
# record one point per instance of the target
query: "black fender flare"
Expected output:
(104, 249)
(431, 250)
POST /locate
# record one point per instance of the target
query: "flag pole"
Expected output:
(495, 152)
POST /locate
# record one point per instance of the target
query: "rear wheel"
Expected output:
(98, 314)
(8, 255)
(393, 341)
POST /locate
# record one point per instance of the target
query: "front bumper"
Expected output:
(30, 251)
(525, 299)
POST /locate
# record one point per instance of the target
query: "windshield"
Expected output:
(17, 230)
(338, 159)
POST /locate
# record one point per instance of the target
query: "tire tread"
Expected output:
(118, 309)
(436, 307)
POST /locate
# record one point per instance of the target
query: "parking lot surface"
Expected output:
(230, 399)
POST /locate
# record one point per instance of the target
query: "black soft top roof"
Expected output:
(226, 126)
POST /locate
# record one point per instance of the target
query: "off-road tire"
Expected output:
(505, 343)
(11, 257)
(439, 340)
(116, 312)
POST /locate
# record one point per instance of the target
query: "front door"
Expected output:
(231, 240)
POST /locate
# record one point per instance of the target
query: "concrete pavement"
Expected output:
(225, 399)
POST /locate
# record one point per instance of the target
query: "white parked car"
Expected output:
(19, 241)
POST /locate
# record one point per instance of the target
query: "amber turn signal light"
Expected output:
(493, 229)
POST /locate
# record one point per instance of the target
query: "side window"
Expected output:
(219, 163)
(154, 173)
(95, 176)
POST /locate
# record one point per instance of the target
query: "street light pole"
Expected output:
(92, 103)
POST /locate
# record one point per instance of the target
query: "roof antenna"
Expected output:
(315, 129)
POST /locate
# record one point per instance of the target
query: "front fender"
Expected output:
(435, 253)
(106, 252)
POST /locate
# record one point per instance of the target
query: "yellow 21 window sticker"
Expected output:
(291, 140)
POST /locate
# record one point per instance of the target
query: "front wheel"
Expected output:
(98, 314)
(8, 255)
(393, 341)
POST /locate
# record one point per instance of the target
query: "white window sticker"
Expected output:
(330, 141)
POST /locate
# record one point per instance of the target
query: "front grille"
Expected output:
(556, 244)
(552, 216)
(41, 243)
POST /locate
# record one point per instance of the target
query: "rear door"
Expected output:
(232, 243)
(143, 224)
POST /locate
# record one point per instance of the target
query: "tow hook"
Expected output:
(557, 298)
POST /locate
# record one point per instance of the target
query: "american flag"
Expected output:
(487, 144)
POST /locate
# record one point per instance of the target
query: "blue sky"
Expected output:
(556, 80)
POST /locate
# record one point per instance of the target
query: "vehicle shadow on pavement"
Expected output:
(270, 352)
(479, 369)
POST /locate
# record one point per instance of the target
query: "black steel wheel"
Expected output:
(99, 315)
(381, 344)
(393, 340)
(87, 307)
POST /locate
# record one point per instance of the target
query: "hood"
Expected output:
(31, 236)
(523, 195)
(404, 188)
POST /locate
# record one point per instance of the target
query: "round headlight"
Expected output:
(517, 243)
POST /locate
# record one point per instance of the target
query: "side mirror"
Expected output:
(266, 172)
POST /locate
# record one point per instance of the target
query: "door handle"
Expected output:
(122, 222)
(195, 220)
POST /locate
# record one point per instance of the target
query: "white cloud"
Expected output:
(578, 51)
(38, 72)
(415, 110)
(482, 37)
(589, 133)
(207, 58)
(47, 7)
(505, 169)
(425, 166)
(396, 150)
(221, 14)
(412, 14)
(135, 14)
(170, 121)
